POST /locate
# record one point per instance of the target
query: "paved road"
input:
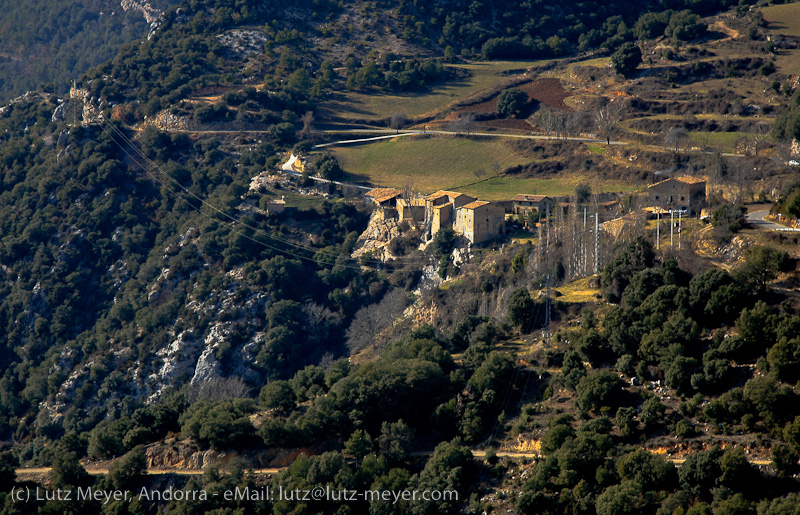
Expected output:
(391, 133)
(288, 169)
(29, 473)
(757, 220)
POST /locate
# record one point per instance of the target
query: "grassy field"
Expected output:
(785, 20)
(382, 105)
(722, 141)
(578, 291)
(431, 163)
(448, 163)
(504, 188)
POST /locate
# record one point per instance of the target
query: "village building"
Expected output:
(386, 200)
(412, 210)
(440, 208)
(479, 221)
(276, 206)
(384, 197)
(679, 193)
(525, 204)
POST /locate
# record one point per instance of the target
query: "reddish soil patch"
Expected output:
(488, 106)
(547, 91)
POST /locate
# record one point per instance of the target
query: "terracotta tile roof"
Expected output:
(686, 179)
(383, 193)
(530, 198)
(691, 180)
(474, 205)
(444, 193)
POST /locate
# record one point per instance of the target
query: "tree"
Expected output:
(372, 319)
(559, 123)
(327, 166)
(685, 26)
(621, 499)
(397, 121)
(582, 193)
(463, 124)
(699, 473)
(648, 470)
(572, 370)
(67, 471)
(626, 421)
(675, 138)
(129, 471)
(519, 309)
(279, 396)
(637, 256)
(652, 412)
(597, 390)
(511, 101)
(8, 473)
(608, 117)
(396, 440)
(761, 265)
(451, 467)
(784, 459)
(359, 445)
(627, 57)
(650, 25)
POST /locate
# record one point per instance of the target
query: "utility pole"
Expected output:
(547, 316)
(679, 230)
(658, 229)
(671, 225)
(585, 264)
(596, 241)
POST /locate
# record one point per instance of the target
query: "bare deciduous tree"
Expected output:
(463, 124)
(308, 125)
(761, 137)
(739, 178)
(218, 389)
(397, 121)
(675, 138)
(559, 123)
(371, 320)
(408, 188)
(607, 118)
(479, 173)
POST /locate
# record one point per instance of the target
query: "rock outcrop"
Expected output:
(376, 237)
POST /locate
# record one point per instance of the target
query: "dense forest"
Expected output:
(52, 43)
(150, 298)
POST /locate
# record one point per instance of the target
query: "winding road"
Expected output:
(757, 219)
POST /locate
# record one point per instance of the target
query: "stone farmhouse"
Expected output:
(475, 220)
(525, 204)
(682, 193)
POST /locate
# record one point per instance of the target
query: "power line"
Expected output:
(204, 202)
(215, 209)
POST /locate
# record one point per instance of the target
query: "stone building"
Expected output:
(386, 200)
(479, 221)
(411, 210)
(524, 204)
(683, 193)
(440, 208)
